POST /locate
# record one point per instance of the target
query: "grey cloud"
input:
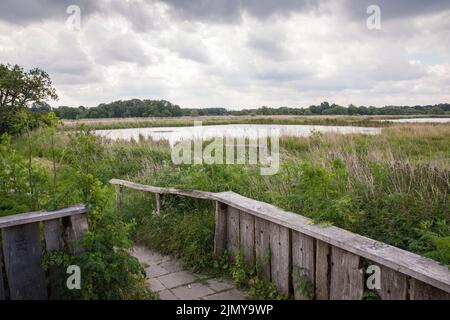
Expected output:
(24, 12)
(395, 9)
(220, 11)
(122, 48)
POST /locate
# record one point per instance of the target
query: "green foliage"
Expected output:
(162, 108)
(302, 283)
(18, 89)
(247, 278)
(108, 271)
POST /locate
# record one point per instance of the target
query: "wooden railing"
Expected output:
(22, 259)
(310, 261)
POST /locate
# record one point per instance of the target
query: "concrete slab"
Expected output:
(232, 294)
(167, 295)
(154, 271)
(219, 285)
(192, 291)
(155, 285)
(177, 279)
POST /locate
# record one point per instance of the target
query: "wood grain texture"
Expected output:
(53, 235)
(2, 285)
(232, 233)
(220, 233)
(280, 257)
(303, 266)
(247, 238)
(411, 264)
(158, 203)
(262, 248)
(30, 217)
(323, 267)
(23, 258)
(423, 291)
(118, 196)
(143, 187)
(393, 285)
(347, 278)
(75, 229)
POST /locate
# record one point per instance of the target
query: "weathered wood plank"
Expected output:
(262, 248)
(247, 238)
(158, 203)
(75, 229)
(53, 234)
(232, 232)
(2, 286)
(142, 187)
(323, 267)
(280, 257)
(118, 196)
(30, 217)
(411, 264)
(220, 233)
(423, 291)
(302, 266)
(23, 255)
(393, 285)
(347, 278)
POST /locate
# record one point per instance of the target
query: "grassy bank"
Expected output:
(99, 124)
(121, 123)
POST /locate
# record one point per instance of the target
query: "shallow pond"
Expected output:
(251, 131)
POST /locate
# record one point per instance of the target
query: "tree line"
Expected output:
(24, 96)
(163, 108)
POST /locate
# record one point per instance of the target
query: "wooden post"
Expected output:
(262, 248)
(302, 266)
(247, 236)
(393, 284)
(220, 233)
(2, 287)
(75, 228)
(158, 203)
(232, 232)
(118, 197)
(422, 291)
(322, 270)
(53, 241)
(23, 259)
(280, 257)
(347, 277)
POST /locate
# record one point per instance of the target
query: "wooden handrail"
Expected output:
(142, 187)
(411, 264)
(30, 217)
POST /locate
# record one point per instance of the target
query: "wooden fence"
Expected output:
(309, 261)
(21, 273)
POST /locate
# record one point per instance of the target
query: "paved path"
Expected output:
(166, 276)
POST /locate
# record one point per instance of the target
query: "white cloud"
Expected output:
(237, 55)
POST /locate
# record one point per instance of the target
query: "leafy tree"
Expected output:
(18, 89)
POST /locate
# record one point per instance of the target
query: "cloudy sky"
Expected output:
(233, 53)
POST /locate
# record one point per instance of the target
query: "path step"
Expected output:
(165, 275)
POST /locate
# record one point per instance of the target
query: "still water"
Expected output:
(174, 134)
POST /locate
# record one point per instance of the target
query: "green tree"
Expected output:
(19, 89)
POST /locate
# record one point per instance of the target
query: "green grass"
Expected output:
(392, 187)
